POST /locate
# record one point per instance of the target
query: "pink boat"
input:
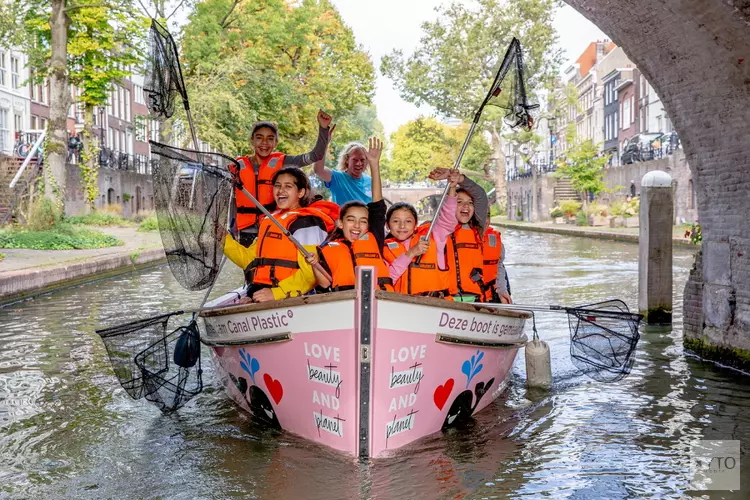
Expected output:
(365, 372)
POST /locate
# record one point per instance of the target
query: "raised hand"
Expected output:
(440, 173)
(324, 119)
(454, 177)
(374, 151)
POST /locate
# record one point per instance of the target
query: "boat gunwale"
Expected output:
(352, 294)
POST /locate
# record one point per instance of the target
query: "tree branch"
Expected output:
(231, 9)
(175, 9)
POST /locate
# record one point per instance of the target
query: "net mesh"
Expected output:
(163, 73)
(604, 337)
(192, 194)
(509, 90)
(164, 368)
(171, 368)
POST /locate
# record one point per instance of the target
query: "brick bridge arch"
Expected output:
(696, 54)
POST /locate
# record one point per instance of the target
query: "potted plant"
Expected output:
(557, 215)
(570, 208)
(632, 209)
(597, 214)
(617, 211)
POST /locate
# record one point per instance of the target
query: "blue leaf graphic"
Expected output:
(477, 369)
(480, 356)
(244, 367)
(254, 366)
(243, 354)
(466, 368)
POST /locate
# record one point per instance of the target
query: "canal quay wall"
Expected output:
(28, 273)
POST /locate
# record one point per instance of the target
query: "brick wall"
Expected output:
(704, 82)
(114, 185)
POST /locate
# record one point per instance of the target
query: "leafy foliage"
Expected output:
(273, 60)
(150, 223)
(570, 207)
(44, 215)
(61, 237)
(99, 218)
(584, 166)
(423, 144)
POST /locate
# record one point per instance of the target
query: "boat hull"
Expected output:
(363, 372)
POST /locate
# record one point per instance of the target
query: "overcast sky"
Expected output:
(384, 25)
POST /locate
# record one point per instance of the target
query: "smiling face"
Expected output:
(356, 163)
(464, 208)
(354, 223)
(402, 223)
(286, 194)
(264, 141)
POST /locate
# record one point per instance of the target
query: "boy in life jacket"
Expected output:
(257, 171)
(497, 286)
(419, 267)
(464, 245)
(358, 238)
(274, 267)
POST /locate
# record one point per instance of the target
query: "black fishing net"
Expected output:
(171, 368)
(164, 368)
(192, 194)
(603, 338)
(124, 342)
(163, 73)
(509, 90)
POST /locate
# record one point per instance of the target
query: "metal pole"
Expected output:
(455, 167)
(27, 160)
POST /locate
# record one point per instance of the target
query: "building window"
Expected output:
(631, 100)
(138, 95)
(154, 130)
(140, 128)
(127, 105)
(17, 123)
(658, 124)
(15, 75)
(34, 122)
(2, 68)
(4, 131)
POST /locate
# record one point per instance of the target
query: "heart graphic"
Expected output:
(442, 393)
(274, 388)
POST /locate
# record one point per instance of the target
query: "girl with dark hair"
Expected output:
(464, 245)
(417, 266)
(358, 237)
(274, 267)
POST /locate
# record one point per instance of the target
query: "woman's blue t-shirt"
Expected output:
(345, 188)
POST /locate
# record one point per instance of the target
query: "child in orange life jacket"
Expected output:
(464, 245)
(256, 172)
(497, 286)
(274, 267)
(358, 237)
(419, 267)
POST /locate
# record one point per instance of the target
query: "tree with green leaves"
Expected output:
(89, 46)
(275, 60)
(424, 144)
(585, 167)
(459, 55)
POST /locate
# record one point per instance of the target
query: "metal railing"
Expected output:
(110, 158)
(526, 171)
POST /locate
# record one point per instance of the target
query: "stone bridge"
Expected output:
(696, 54)
(410, 195)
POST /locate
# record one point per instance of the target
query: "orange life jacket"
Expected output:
(276, 255)
(342, 257)
(260, 187)
(464, 256)
(423, 278)
(492, 244)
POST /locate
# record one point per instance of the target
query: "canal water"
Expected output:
(67, 430)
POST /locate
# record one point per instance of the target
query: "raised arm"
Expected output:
(373, 159)
(319, 150)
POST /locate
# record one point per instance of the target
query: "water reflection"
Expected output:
(67, 430)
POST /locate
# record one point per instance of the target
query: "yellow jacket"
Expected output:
(297, 284)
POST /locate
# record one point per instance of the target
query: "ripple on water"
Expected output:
(68, 431)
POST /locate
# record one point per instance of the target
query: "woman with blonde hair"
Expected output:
(348, 182)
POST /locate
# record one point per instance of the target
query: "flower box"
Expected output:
(598, 220)
(631, 221)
